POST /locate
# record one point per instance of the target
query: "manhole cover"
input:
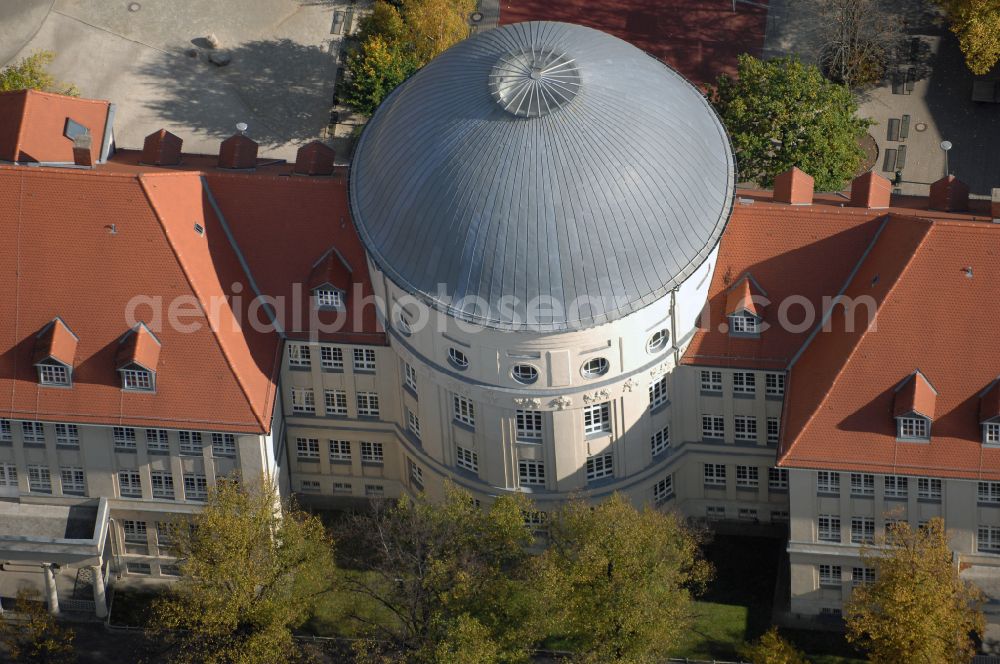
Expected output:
(920, 126)
(134, 6)
(476, 17)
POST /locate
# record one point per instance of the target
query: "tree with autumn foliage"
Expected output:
(32, 73)
(976, 23)
(918, 609)
(771, 648)
(618, 583)
(31, 634)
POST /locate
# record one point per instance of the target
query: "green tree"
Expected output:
(251, 570)
(35, 636)
(451, 576)
(619, 582)
(31, 73)
(918, 609)
(783, 113)
(375, 70)
(976, 23)
(772, 649)
(433, 26)
(384, 21)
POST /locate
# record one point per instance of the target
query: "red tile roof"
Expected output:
(32, 125)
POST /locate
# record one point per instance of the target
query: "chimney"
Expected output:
(238, 151)
(314, 158)
(870, 191)
(161, 148)
(82, 155)
(794, 187)
(949, 194)
(995, 206)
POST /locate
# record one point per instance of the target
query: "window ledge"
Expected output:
(298, 367)
(40, 446)
(711, 393)
(409, 390)
(307, 459)
(126, 450)
(597, 434)
(745, 487)
(341, 462)
(63, 446)
(338, 370)
(982, 504)
(653, 410)
(744, 395)
(777, 489)
(369, 417)
(364, 371)
(462, 425)
(828, 494)
(929, 501)
(373, 463)
(863, 496)
(708, 439)
(720, 487)
(774, 397)
(899, 498)
(603, 481)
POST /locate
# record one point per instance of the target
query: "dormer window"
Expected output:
(991, 433)
(55, 350)
(138, 356)
(913, 428)
(328, 298)
(53, 374)
(744, 303)
(137, 379)
(744, 324)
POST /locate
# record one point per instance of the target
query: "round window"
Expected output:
(595, 367)
(458, 358)
(657, 342)
(524, 373)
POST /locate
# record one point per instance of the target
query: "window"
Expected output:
(827, 482)
(195, 486)
(663, 489)
(829, 575)
(774, 384)
(535, 520)
(303, 400)
(895, 486)
(223, 444)
(364, 359)
(458, 359)
(340, 450)
(989, 492)
(373, 490)
(413, 423)
(597, 418)
(991, 433)
(988, 539)
(309, 486)
(660, 440)
(342, 487)
(772, 429)
(658, 393)
(129, 484)
(599, 467)
(137, 379)
(299, 355)
(335, 402)
(745, 427)
(466, 459)
(658, 341)
(331, 358)
(777, 479)
(372, 453)
(747, 477)
(743, 324)
(53, 374)
(134, 531)
(169, 570)
(715, 512)
(862, 484)
(190, 442)
(711, 381)
(779, 516)
(124, 438)
(416, 474)
(163, 484)
(715, 474)
(531, 472)
(712, 426)
(8, 475)
(157, 440)
(328, 298)
(410, 376)
(529, 425)
(862, 576)
(747, 514)
(744, 382)
(595, 367)
(464, 410)
(132, 567)
(367, 404)
(73, 481)
(524, 374)
(862, 530)
(913, 428)
(307, 448)
(929, 489)
(829, 528)
(39, 480)
(33, 433)
(67, 435)
(5, 433)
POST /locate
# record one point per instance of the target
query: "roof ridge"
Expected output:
(842, 365)
(215, 335)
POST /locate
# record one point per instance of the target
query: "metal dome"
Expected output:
(542, 173)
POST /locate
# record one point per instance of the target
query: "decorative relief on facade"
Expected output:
(598, 396)
(659, 370)
(562, 402)
(528, 403)
(628, 385)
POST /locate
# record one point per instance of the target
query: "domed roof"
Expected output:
(542, 173)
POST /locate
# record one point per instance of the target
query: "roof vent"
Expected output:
(161, 148)
(534, 82)
(794, 187)
(238, 151)
(314, 158)
(949, 194)
(870, 191)
(82, 155)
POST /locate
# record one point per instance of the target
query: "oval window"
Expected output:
(657, 342)
(458, 358)
(524, 373)
(595, 367)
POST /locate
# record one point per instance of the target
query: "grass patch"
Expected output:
(719, 629)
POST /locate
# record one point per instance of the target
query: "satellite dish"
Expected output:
(242, 127)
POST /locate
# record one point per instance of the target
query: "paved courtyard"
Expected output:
(150, 57)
